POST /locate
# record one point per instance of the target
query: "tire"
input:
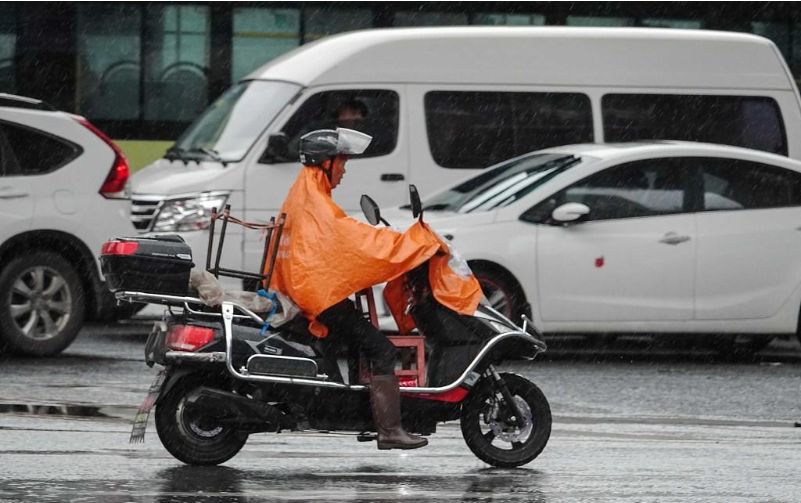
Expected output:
(190, 437)
(42, 304)
(502, 291)
(478, 412)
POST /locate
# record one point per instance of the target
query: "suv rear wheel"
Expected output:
(41, 304)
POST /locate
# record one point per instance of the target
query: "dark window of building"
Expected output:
(8, 46)
(599, 21)
(743, 121)
(260, 35)
(176, 62)
(469, 129)
(638, 189)
(742, 185)
(423, 18)
(682, 24)
(328, 20)
(370, 111)
(30, 152)
(508, 19)
(109, 61)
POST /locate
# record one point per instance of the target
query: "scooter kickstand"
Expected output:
(366, 437)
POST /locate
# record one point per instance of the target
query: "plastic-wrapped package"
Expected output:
(212, 293)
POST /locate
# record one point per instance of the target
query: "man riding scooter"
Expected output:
(325, 256)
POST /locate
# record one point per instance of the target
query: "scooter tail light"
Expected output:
(189, 337)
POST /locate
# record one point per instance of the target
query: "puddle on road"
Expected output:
(51, 410)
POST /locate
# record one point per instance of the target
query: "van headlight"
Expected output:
(188, 213)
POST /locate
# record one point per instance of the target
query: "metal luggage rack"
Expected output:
(272, 229)
(274, 226)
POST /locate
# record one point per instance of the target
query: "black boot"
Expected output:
(385, 401)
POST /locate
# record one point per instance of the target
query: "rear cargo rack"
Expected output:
(272, 240)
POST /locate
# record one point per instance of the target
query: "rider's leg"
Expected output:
(347, 322)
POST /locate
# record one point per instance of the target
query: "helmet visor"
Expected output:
(352, 142)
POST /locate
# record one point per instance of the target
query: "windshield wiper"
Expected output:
(175, 152)
(215, 156)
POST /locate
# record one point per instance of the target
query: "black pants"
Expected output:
(347, 326)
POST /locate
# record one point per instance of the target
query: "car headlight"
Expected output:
(189, 213)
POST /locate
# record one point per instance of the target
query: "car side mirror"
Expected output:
(370, 209)
(414, 198)
(277, 149)
(570, 212)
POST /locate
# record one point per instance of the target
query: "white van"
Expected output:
(443, 102)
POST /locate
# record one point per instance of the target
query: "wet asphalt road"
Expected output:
(626, 428)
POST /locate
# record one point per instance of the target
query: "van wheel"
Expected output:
(502, 291)
(41, 304)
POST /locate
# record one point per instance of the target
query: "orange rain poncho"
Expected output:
(325, 256)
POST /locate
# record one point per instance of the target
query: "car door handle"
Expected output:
(392, 177)
(11, 193)
(671, 238)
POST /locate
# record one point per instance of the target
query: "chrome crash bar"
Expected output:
(228, 317)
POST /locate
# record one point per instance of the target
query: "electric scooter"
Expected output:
(226, 375)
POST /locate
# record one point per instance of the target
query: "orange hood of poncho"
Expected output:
(325, 255)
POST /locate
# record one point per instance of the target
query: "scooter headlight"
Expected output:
(189, 213)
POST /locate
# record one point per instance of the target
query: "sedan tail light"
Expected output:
(189, 337)
(114, 185)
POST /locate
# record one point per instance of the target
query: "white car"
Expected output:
(652, 237)
(62, 194)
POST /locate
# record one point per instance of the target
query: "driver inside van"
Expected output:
(325, 256)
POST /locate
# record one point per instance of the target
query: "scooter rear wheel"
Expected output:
(491, 435)
(189, 435)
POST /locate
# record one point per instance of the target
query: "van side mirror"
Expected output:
(414, 199)
(570, 212)
(370, 209)
(277, 149)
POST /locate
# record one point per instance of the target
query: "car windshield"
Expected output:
(231, 124)
(501, 185)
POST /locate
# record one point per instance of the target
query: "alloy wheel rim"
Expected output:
(40, 303)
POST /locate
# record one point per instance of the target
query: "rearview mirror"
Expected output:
(370, 209)
(277, 149)
(570, 212)
(414, 198)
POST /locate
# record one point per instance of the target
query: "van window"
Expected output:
(370, 111)
(468, 129)
(743, 121)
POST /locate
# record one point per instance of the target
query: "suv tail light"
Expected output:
(119, 248)
(114, 185)
(189, 337)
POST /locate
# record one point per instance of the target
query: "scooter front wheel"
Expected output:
(191, 435)
(490, 432)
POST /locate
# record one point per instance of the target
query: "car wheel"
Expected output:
(502, 292)
(42, 304)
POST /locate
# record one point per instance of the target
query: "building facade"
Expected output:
(142, 71)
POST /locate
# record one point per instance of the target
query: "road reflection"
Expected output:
(362, 484)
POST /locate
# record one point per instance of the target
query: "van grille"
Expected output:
(143, 211)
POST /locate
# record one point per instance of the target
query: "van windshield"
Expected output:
(230, 125)
(502, 185)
